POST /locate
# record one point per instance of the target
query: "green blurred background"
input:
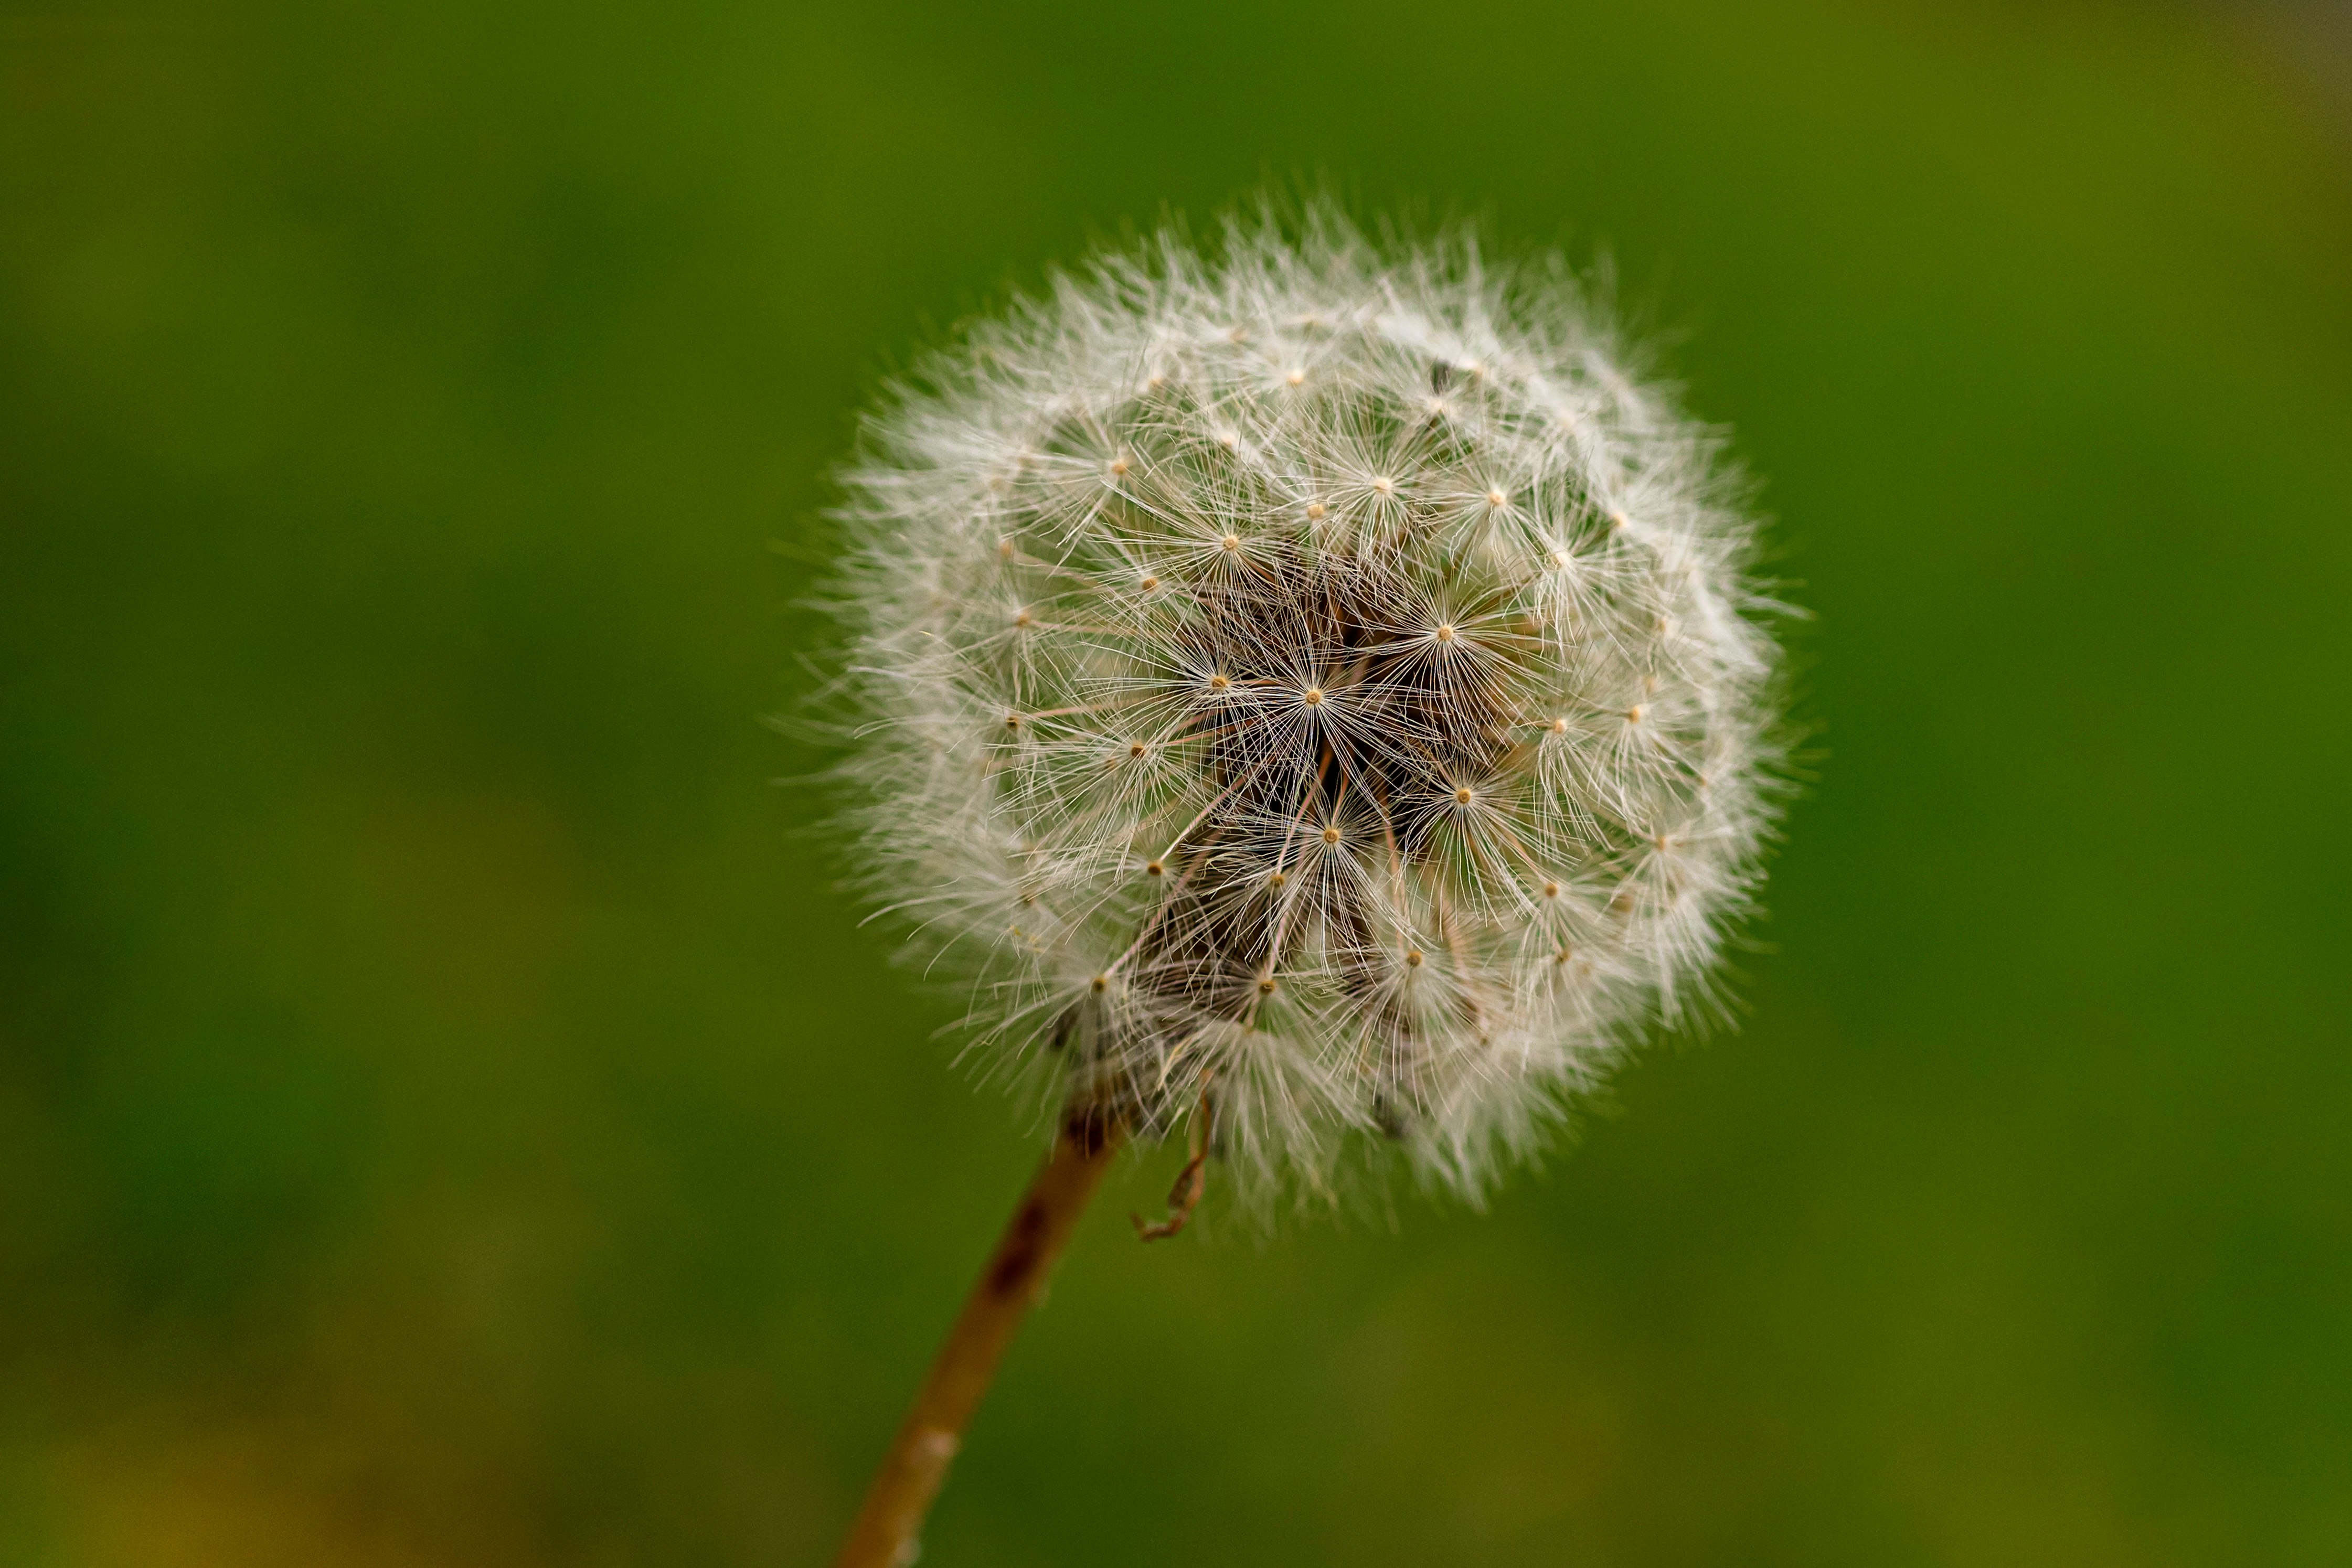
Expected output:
(448, 1115)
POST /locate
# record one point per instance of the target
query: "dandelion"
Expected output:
(1317, 693)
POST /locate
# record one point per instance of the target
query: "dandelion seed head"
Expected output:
(1370, 671)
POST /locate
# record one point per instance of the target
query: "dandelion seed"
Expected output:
(1208, 653)
(1311, 705)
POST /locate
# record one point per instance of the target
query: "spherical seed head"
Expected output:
(1488, 687)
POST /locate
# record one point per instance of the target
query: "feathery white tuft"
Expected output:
(1317, 686)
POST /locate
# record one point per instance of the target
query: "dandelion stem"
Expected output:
(890, 1526)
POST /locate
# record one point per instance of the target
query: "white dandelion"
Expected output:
(1316, 694)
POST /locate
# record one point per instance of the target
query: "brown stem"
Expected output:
(889, 1527)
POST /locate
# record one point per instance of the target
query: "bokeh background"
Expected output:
(448, 1116)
